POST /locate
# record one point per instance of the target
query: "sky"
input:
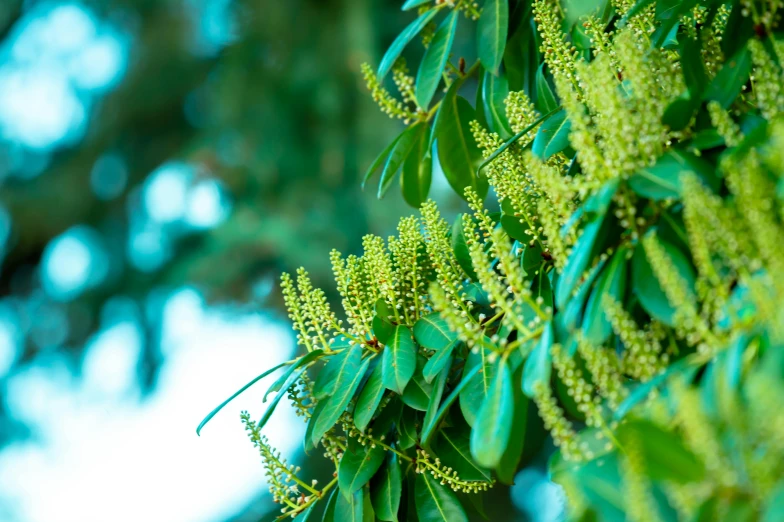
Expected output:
(99, 452)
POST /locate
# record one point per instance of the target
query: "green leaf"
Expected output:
(729, 81)
(386, 489)
(211, 414)
(538, 366)
(643, 390)
(662, 179)
(495, 89)
(432, 332)
(417, 393)
(337, 366)
(507, 467)
(308, 443)
(438, 361)
(453, 447)
(351, 509)
(692, 66)
(417, 172)
(508, 143)
(514, 228)
(460, 247)
(680, 112)
(278, 396)
(407, 429)
(612, 281)
(403, 39)
(458, 154)
(546, 100)
(380, 160)
(305, 360)
(577, 262)
(369, 399)
(427, 432)
(405, 144)
(665, 455)
(336, 404)
(493, 426)
(329, 511)
(476, 390)
(399, 360)
(410, 4)
(491, 33)
(388, 417)
(553, 136)
(646, 286)
(434, 60)
(436, 503)
(437, 393)
(358, 465)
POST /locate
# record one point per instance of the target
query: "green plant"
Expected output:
(628, 290)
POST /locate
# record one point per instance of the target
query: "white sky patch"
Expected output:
(166, 191)
(95, 458)
(206, 205)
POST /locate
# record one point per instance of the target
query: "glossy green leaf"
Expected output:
(402, 40)
(680, 111)
(546, 100)
(662, 179)
(460, 247)
(438, 361)
(435, 396)
(417, 393)
(428, 431)
(417, 172)
(309, 443)
(692, 66)
(491, 33)
(337, 367)
(351, 509)
(305, 360)
(336, 404)
(453, 447)
(399, 360)
(329, 511)
(283, 391)
(553, 136)
(386, 489)
(410, 4)
(458, 154)
(665, 455)
(211, 414)
(578, 261)
(731, 78)
(643, 390)
(538, 366)
(510, 461)
(369, 399)
(404, 146)
(473, 395)
(646, 286)
(612, 281)
(380, 159)
(407, 428)
(508, 143)
(436, 503)
(432, 65)
(495, 89)
(432, 332)
(388, 417)
(358, 465)
(493, 426)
